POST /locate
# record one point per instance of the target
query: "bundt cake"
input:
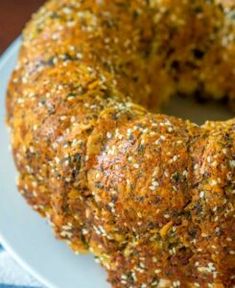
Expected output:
(150, 195)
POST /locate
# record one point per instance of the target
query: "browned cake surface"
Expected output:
(151, 196)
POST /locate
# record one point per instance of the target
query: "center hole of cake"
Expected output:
(197, 111)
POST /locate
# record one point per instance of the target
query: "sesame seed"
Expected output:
(213, 182)
(232, 163)
(202, 194)
(109, 135)
(157, 271)
(208, 159)
(154, 260)
(176, 283)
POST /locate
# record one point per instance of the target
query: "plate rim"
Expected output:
(48, 261)
(7, 54)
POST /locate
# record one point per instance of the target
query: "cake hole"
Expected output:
(190, 108)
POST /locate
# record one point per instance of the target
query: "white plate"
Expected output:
(23, 233)
(27, 237)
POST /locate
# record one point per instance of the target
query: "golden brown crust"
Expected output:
(151, 196)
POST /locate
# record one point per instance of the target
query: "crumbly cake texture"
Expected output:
(151, 196)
